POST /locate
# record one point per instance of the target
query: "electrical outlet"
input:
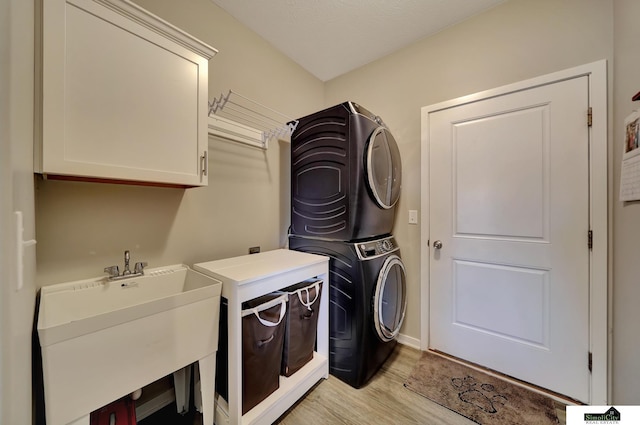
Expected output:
(254, 250)
(413, 216)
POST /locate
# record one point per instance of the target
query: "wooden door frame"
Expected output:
(599, 325)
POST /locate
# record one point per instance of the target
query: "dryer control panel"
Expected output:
(372, 249)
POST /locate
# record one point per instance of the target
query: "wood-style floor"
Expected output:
(383, 400)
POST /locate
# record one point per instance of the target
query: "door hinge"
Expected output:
(590, 116)
(590, 361)
(590, 239)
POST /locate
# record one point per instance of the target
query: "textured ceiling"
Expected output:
(331, 37)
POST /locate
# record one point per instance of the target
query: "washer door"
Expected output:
(390, 300)
(383, 168)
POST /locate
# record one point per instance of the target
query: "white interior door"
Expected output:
(509, 209)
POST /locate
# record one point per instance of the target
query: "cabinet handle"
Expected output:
(204, 162)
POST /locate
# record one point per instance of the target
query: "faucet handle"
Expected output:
(139, 267)
(113, 271)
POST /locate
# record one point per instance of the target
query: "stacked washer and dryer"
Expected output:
(345, 184)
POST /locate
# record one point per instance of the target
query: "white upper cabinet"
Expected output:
(123, 96)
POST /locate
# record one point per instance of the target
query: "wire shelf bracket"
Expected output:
(234, 110)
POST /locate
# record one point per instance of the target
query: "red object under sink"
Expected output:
(120, 412)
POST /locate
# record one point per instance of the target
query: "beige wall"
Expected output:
(16, 139)
(518, 40)
(626, 216)
(83, 227)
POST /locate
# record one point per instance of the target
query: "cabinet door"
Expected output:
(124, 95)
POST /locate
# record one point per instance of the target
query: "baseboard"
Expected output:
(409, 341)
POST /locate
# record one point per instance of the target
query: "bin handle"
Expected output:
(308, 303)
(283, 309)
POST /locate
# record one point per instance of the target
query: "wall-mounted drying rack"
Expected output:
(241, 119)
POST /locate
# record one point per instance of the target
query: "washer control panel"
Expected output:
(375, 248)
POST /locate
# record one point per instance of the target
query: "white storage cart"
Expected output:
(250, 276)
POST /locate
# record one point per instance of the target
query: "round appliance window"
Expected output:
(390, 301)
(383, 168)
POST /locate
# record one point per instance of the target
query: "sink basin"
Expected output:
(101, 339)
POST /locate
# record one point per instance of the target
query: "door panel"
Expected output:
(523, 319)
(509, 200)
(483, 181)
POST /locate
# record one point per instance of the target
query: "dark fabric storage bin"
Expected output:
(301, 325)
(262, 338)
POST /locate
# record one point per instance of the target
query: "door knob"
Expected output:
(437, 244)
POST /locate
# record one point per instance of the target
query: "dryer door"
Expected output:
(383, 168)
(390, 300)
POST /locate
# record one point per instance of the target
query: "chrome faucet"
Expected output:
(114, 271)
(126, 270)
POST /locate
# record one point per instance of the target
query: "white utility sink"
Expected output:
(103, 339)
